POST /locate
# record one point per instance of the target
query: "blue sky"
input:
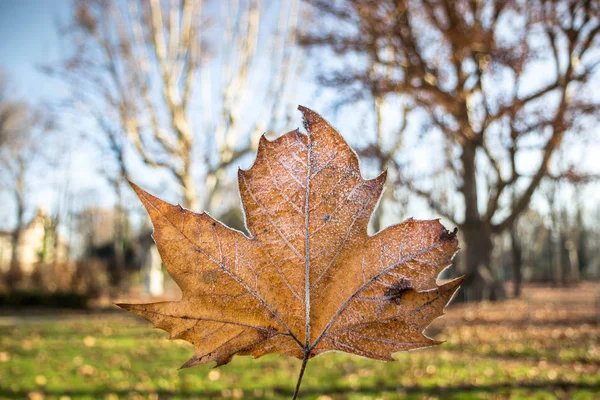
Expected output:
(28, 29)
(29, 39)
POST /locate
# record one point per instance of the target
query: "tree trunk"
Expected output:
(15, 273)
(517, 262)
(190, 197)
(377, 222)
(556, 258)
(119, 237)
(582, 243)
(573, 261)
(563, 259)
(376, 219)
(482, 282)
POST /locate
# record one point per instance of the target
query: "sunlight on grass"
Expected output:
(113, 356)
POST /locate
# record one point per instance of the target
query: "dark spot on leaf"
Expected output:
(213, 223)
(209, 276)
(397, 290)
(447, 236)
(327, 218)
(265, 230)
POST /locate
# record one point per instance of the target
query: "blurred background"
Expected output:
(485, 114)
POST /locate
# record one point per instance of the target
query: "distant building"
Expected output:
(36, 244)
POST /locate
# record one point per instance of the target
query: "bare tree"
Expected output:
(144, 72)
(502, 81)
(21, 127)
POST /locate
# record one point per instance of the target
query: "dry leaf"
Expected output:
(309, 279)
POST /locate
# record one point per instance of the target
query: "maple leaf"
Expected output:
(309, 279)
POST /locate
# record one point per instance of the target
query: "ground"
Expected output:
(545, 346)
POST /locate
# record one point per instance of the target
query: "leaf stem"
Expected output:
(302, 368)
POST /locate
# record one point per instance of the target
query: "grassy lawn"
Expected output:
(545, 346)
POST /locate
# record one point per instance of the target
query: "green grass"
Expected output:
(114, 356)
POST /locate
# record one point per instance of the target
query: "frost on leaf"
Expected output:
(309, 279)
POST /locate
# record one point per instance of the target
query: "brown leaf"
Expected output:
(309, 279)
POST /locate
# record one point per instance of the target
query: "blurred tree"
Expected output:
(21, 127)
(503, 81)
(96, 227)
(533, 230)
(569, 232)
(138, 68)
